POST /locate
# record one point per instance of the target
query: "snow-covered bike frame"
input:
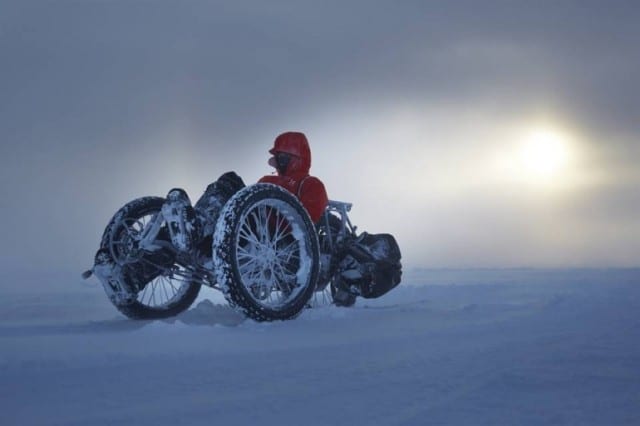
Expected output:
(265, 255)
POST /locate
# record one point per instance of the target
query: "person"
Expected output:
(191, 226)
(292, 161)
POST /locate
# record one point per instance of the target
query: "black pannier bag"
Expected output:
(372, 265)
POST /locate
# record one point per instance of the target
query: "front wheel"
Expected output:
(266, 253)
(160, 288)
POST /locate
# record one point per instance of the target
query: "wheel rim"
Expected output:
(126, 238)
(163, 290)
(272, 253)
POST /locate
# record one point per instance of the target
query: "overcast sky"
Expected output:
(423, 114)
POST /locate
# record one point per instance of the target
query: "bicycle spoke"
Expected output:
(250, 237)
(268, 253)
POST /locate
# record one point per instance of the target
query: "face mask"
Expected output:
(282, 160)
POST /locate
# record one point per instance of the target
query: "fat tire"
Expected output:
(335, 224)
(225, 254)
(136, 310)
(348, 303)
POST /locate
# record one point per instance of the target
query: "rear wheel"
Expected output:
(160, 287)
(266, 253)
(328, 241)
(342, 297)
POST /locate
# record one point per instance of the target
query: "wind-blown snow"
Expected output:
(513, 347)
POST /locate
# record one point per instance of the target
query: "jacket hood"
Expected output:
(296, 144)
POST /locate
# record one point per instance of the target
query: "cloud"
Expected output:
(105, 101)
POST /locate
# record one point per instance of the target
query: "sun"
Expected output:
(544, 154)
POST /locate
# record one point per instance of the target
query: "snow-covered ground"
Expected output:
(498, 347)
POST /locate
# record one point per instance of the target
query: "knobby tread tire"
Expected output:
(224, 249)
(136, 310)
(335, 224)
(348, 303)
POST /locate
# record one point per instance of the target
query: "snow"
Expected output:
(445, 347)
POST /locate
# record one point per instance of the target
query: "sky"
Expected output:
(480, 134)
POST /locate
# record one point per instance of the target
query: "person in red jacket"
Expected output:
(292, 161)
(189, 226)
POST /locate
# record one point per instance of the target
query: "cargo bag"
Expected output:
(372, 265)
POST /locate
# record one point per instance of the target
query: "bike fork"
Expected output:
(150, 233)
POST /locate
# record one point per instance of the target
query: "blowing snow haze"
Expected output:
(480, 134)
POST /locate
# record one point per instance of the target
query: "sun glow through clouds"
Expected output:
(544, 154)
(540, 157)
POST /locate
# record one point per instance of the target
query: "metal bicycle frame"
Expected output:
(206, 276)
(346, 227)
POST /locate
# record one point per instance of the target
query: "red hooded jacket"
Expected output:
(296, 179)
